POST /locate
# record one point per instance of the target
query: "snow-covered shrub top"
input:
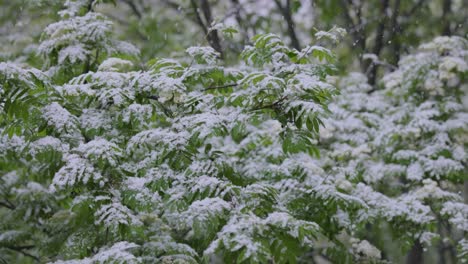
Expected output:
(408, 141)
(82, 38)
(104, 162)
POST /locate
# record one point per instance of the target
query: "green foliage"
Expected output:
(203, 158)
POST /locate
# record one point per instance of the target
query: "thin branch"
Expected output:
(380, 29)
(153, 97)
(221, 86)
(212, 35)
(286, 12)
(272, 105)
(198, 18)
(165, 109)
(90, 5)
(134, 8)
(171, 4)
(401, 27)
(8, 204)
(355, 28)
(21, 249)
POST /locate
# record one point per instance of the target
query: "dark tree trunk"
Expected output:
(379, 41)
(211, 35)
(395, 35)
(89, 7)
(415, 256)
(286, 12)
(356, 28)
(446, 9)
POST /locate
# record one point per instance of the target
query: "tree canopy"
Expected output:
(200, 131)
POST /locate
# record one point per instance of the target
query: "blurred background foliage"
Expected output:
(378, 31)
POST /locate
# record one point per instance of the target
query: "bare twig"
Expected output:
(211, 35)
(286, 12)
